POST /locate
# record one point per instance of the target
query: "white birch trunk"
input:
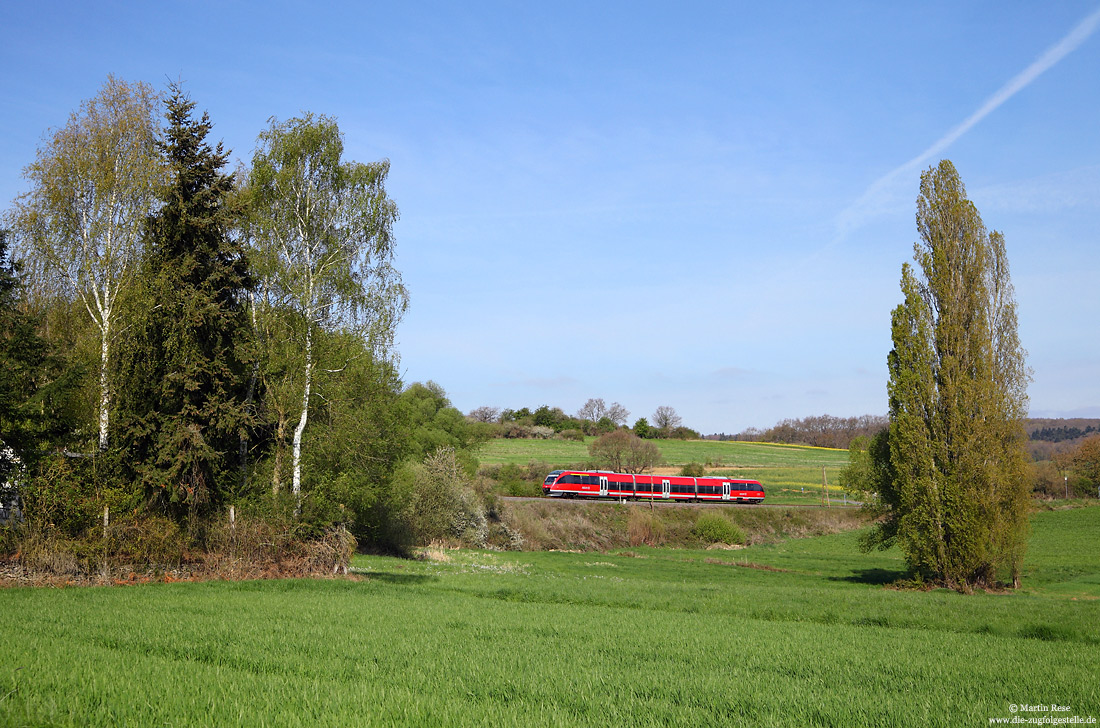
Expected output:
(104, 389)
(242, 453)
(296, 483)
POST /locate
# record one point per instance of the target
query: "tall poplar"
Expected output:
(953, 493)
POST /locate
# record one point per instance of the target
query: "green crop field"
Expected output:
(791, 474)
(500, 451)
(796, 633)
(675, 452)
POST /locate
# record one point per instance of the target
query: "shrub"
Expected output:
(605, 425)
(515, 431)
(713, 528)
(645, 528)
(692, 470)
(575, 435)
(150, 540)
(515, 480)
(440, 501)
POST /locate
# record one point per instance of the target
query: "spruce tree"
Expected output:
(187, 366)
(951, 484)
(35, 383)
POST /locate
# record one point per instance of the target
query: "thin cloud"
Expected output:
(877, 197)
(1047, 194)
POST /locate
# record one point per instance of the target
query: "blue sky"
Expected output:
(702, 205)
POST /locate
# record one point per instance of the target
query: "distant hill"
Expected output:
(1046, 436)
(1049, 436)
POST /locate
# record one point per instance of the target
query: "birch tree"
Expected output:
(93, 183)
(323, 237)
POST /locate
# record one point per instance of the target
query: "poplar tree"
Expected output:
(187, 364)
(952, 492)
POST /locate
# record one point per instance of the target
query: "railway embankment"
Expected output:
(544, 523)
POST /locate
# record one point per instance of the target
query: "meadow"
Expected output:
(791, 474)
(800, 632)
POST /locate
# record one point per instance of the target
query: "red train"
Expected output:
(605, 484)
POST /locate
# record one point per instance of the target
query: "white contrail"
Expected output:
(873, 198)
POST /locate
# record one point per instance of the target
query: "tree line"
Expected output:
(595, 417)
(178, 337)
(816, 431)
(1061, 434)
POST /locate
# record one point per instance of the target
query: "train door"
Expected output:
(666, 488)
(603, 485)
(725, 490)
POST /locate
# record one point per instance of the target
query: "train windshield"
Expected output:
(552, 477)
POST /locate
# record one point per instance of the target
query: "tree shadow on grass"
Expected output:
(400, 579)
(874, 577)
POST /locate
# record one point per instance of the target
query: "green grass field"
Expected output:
(675, 452)
(791, 474)
(796, 633)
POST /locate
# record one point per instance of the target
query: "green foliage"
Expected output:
(716, 528)
(36, 386)
(433, 424)
(93, 183)
(605, 425)
(324, 228)
(515, 479)
(207, 398)
(693, 470)
(955, 492)
(358, 436)
(184, 366)
(1086, 461)
(555, 419)
(642, 428)
(868, 469)
(439, 502)
(57, 495)
(323, 247)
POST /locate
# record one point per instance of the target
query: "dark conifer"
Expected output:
(183, 408)
(34, 382)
